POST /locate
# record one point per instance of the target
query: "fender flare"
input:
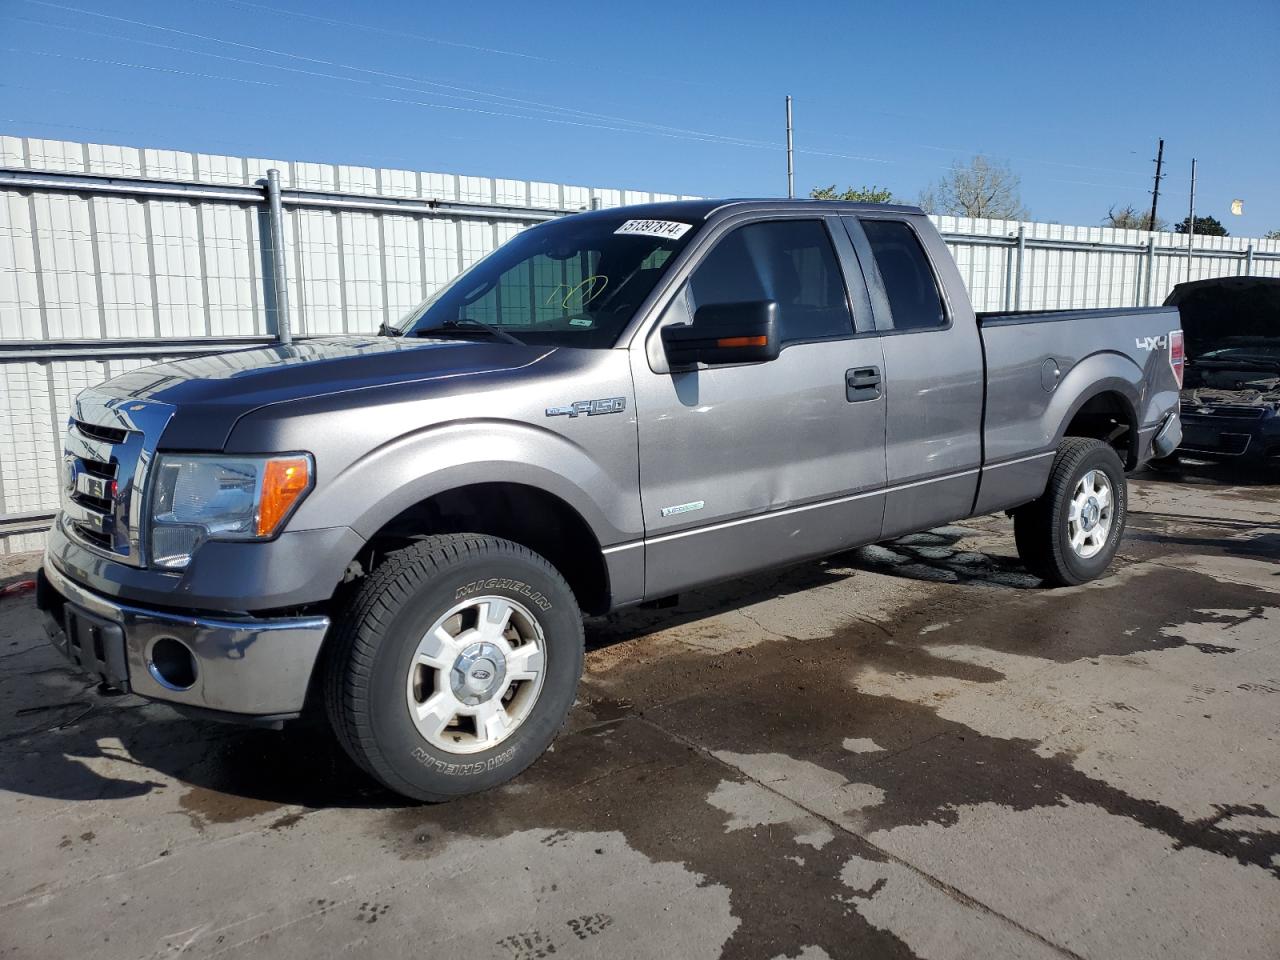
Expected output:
(416, 466)
(1091, 377)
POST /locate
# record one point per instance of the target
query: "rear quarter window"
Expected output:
(909, 284)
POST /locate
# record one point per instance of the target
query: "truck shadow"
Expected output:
(1210, 473)
(94, 746)
(937, 556)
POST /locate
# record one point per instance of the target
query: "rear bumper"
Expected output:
(243, 668)
(1168, 437)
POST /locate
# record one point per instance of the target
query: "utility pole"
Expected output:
(791, 169)
(1191, 218)
(1155, 190)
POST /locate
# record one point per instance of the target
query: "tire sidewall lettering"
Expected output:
(452, 769)
(518, 587)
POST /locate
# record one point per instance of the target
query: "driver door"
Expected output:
(751, 465)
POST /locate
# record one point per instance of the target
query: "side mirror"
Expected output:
(725, 333)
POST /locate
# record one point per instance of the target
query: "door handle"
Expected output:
(862, 383)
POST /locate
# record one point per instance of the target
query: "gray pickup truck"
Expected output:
(405, 530)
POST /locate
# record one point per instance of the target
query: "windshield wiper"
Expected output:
(463, 324)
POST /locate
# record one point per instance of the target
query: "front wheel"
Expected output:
(1071, 534)
(454, 665)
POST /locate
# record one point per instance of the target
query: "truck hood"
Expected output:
(210, 393)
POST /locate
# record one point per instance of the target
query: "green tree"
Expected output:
(863, 194)
(1205, 227)
(1128, 218)
(1271, 235)
(980, 188)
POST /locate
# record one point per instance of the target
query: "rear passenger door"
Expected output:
(750, 465)
(933, 373)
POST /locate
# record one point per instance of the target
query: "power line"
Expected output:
(137, 66)
(560, 114)
(662, 130)
(176, 49)
(407, 35)
(412, 102)
(372, 72)
(401, 34)
(977, 151)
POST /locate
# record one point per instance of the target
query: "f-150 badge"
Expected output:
(592, 408)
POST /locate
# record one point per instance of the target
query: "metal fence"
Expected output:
(116, 257)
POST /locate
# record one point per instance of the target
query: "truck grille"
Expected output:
(1197, 438)
(97, 432)
(1226, 412)
(108, 447)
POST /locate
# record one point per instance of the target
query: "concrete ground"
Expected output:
(907, 751)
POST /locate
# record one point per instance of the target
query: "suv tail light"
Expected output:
(1177, 356)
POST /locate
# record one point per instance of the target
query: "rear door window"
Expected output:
(908, 279)
(789, 261)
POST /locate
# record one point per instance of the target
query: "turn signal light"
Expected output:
(284, 482)
(761, 341)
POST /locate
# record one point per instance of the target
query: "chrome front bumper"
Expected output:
(256, 667)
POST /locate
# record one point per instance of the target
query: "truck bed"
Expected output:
(1040, 364)
(993, 318)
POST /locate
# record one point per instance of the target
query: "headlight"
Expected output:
(199, 498)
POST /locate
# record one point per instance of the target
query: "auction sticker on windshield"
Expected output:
(670, 229)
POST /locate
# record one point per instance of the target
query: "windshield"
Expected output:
(1251, 351)
(574, 282)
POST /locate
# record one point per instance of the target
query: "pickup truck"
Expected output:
(405, 530)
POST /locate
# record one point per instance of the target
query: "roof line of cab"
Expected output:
(835, 206)
(704, 209)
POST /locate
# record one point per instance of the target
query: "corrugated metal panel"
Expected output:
(398, 183)
(475, 240)
(577, 198)
(19, 282)
(319, 287)
(362, 271)
(402, 260)
(442, 255)
(606, 197)
(179, 273)
(475, 189)
(66, 270)
(125, 272)
(28, 453)
(511, 193)
(230, 280)
(12, 153)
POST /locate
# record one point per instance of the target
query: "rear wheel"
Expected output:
(1070, 535)
(454, 665)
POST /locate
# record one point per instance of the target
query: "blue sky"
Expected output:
(682, 97)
